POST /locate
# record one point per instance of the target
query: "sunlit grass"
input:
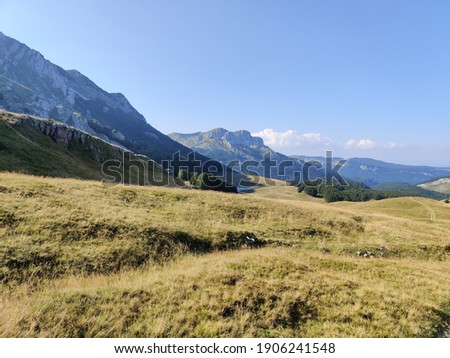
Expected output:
(81, 259)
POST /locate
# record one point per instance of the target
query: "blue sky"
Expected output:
(364, 78)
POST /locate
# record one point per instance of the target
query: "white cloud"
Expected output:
(293, 142)
(391, 145)
(361, 144)
(394, 145)
(290, 138)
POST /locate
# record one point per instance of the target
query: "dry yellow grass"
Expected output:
(81, 259)
(266, 293)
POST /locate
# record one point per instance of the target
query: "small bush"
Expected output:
(235, 241)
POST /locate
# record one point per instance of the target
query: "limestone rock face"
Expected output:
(65, 135)
(58, 132)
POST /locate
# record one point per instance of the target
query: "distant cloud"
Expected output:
(394, 145)
(293, 142)
(361, 144)
(370, 144)
(290, 138)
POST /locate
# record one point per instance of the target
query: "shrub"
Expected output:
(193, 178)
(208, 181)
(311, 190)
(182, 175)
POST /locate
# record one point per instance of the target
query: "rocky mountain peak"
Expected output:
(243, 138)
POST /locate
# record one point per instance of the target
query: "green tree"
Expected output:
(182, 175)
(311, 191)
(208, 181)
(331, 194)
(193, 179)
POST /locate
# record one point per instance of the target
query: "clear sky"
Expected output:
(368, 78)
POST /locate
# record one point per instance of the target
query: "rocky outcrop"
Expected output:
(58, 132)
(45, 147)
(245, 139)
(65, 135)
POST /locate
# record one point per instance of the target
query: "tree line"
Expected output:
(355, 191)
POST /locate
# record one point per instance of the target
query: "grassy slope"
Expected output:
(277, 189)
(26, 149)
(122, 261)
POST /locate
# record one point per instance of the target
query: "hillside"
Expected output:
(160, 262)
(227, 147)
(43, 147)
(441, 185)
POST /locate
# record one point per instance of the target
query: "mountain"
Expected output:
(226, 147)
(375, 173)
(441, 185)
(32, 85)
(44, 147)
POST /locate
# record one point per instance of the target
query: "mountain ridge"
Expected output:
(31, 84)
(375, 173)
(230, 146)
